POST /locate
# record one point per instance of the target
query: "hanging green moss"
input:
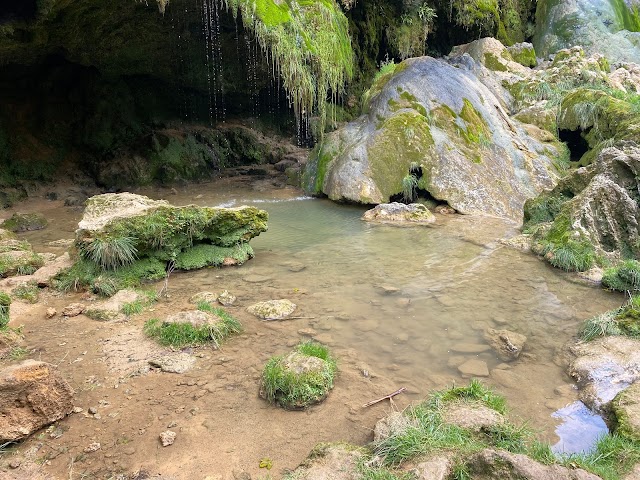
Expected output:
(309, 44)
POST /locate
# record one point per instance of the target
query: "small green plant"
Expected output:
(27, 291)
(622, 321)
(301, 378)
(5, 302)
(409, 188)
(624, 277)
(110, 253)
(18, 353)
(185, 334)
(600, 326)
(137, 306)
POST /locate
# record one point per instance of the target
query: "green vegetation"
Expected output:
(86, 275)
(409, 186)
(409, 36)
(110, 253)
(624, 277)
(570, 255)
(185, 334)
(309, 43)
(622, 321)
(22, 222)
(28, 291)
(5, 302)
(148, 297)
(614, 456)
(301, 378)
(16, 257)
(204, 255)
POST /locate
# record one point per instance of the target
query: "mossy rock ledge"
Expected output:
(118, 230)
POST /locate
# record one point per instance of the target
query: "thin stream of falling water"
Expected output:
(207, 41)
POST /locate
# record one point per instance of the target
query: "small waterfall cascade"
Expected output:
(213, 59)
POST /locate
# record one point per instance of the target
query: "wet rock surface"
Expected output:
(272, 309)
(399, 213)
(507, 344)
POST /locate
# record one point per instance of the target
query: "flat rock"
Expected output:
(73, 310)
(492, 464)
(209, 297)
(474, 368)
(604, 367)
(110, 309)
(32, 395)
(436, 468)
(179, 362)
(399, 213)
(24, 222)
(472, 416)
(272, 309)
(507, 344)
(195, 318)
(469, 348)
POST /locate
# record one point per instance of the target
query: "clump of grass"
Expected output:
(622, 321)
(571, 256)
(184, 334)
(624, 277)
(28, 291)
(409, 188)
(294, 382)
(137, 306)
(5, 302)
(614, 456)
(110, 253)
(18, 353)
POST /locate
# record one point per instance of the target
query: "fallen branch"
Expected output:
(390, 396)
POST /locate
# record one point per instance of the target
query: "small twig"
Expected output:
(390, 397)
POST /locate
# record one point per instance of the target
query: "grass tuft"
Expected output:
(5, 302)
(622, 321)
(624, 277)
(299, 389)
(27, 291)
(184, 334)
(110, 253)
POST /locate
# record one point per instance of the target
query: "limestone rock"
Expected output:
(32, 395)
(435, 468)
(472, 416)
(175, 362)
(331, 462)
(73, 310)
(454, 137)
(604, 367)
(51, 312)
(399, 213)
(598, 26)
(491, 464)
(226, 299)
(474, 368)
(167, 438)
(626, 408)
(111, 309)
(507, 344)
(208, 297)
(272, 309)
(195, 318)
(393, 424)
(492, 54)
(523, 53)
(17, 257)
(24, 222)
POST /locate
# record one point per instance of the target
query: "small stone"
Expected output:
(78, 410)
(167, 438)
(272, 309)
(93, 410)
(15, 463)
(179, 362)
(508, 345)
(209, 297)
(93, 447)
(73, 310)
(226, 299)
(51, 312)
(474, 368)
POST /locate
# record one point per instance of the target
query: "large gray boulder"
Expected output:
(600, 26)
(438, 121)
(32, 395)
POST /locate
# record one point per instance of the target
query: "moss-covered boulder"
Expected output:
(456, 137)
(24, 222)
(524, 54)
(626, 410)
(299, 379)
(593, 211)
(494, 55)
(608, 27)
(124, 239)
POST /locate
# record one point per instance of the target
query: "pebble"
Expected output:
(51, 312)
(93, 410)
(78, 410)
(93, 447)
(167, 438)
(15, 463)
(474, 368)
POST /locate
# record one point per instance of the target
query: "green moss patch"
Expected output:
(212, 328)
(624, 277)
(24, 222)
(203, 255)
(299, 379)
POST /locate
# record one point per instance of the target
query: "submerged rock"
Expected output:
(508, 345)
(474, 368)
(399, 213)
(455, 139)
(32, 395)
(272, 309)
(490, 464)
(226, 299)
(208, 297)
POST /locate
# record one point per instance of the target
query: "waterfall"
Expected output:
(213, 60)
